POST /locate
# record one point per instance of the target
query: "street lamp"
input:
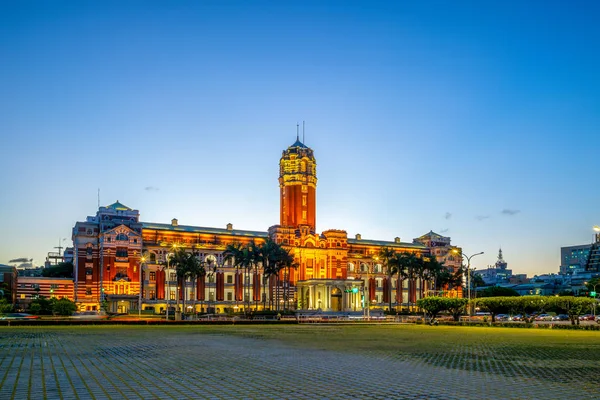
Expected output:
(468, 274)
(142, 261)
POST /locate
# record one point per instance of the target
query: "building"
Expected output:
(593, 262)
(496, 274)
(32, 287)
(8, 283)
(573, 259)
(123, 263)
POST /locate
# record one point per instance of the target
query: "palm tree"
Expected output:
(432, 270)
(267, 255)
(386, 255)
(407, 265)
(234, 253)
(180, 261)
(195, 270)
(285, 261)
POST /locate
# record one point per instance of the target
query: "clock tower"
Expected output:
(298, 186)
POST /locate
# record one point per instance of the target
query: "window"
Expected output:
(229, 296)
(89, 251)
(229, 278)
(88, 291)
(66, 286)
(303, 214)
(53, 286)
(121, 252)
(122, 237)
(88, 271)
(211, 296)
(173, 276)
(22, 295)
(304, 189)
(152, 275)
(172, 295)
(152, 294)
(304, 200)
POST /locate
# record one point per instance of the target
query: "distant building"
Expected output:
(496, 274)
(593, 261)
(32, 287)
(573, 259)
(8, 283)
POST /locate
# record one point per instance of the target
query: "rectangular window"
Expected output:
(303, 214)
(172, 295)
(229, 278)
(211, 296)
(22, 295)
(304, 200)
(304, 189)
(152, 276)
(152, 294)
(229, 296)
(173, 276)
(88, 291)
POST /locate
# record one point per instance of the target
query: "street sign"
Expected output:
(593, 294)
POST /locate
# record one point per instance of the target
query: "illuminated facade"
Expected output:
(124, 261)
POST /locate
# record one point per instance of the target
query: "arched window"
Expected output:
(350, 267)
(122, 237)
(364, 268)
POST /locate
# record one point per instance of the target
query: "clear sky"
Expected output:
(477, 120)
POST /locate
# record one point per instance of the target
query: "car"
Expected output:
(586, 317)
(11, 316)
(543, 317)
(560, 317)
(502, 317)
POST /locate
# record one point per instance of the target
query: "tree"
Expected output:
(5, 306)
(64, 307)
(408, 266)
(497, 291)
(495, 305)
(456, 306)
(387, 255)
(432, 305)
(234, 253)
(267, 254)
(61, 270)
(572, 306)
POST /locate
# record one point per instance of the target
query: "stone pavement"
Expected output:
(147, 363)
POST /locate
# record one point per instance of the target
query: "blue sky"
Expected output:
(477, 120)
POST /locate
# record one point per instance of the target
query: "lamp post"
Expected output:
(468, 274)
(168, 277)
(142, 261)
(594, 286)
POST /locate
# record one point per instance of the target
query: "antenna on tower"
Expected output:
(297, 131)
(303, 132)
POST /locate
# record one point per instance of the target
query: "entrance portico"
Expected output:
(330, 294)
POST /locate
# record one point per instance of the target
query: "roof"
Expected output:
(118, 206)
(298, 143)
(200, 229)
(386, 243)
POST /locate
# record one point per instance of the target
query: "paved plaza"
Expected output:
(180, 363)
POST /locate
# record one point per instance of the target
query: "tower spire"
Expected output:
(303, 132)
(297, 131)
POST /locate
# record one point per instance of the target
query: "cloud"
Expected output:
(508, 211)
(151, 189)
(444, 230)
(481, 217)
(448, 215)
(21, 260)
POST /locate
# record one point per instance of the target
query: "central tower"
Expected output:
(298, 186)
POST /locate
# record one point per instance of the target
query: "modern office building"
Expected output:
(573, 259)
(124, 261)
